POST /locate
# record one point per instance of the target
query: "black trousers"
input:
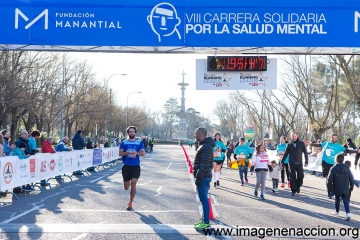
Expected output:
(296, 176)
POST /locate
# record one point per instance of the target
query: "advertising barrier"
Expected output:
(16, 172)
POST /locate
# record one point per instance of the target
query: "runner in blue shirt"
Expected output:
(219, 157)
(280, 149)
(130, 150)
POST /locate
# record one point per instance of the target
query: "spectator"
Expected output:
(20, 152)
(106, 143)
(95, 143)
(32, 141)
(63, 145)
(1, 146)
(24, 139)
(7, 147)
(350, 144)
(89, 143)
(78, 142)
(47, 146)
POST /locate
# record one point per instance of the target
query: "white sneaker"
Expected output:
(347, 217)
(276, 190)
(336, 214)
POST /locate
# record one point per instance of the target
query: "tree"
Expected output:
(171, 107)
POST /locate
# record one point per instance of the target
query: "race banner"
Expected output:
(15, 172)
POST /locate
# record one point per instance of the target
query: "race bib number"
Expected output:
(328, 152)
(242, 156)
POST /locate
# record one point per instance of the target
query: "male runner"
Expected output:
(130, 150)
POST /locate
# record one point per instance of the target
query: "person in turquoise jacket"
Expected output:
(19, 151)
(219, 157)
(243, 153)
(280, 149)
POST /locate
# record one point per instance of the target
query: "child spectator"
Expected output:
(274, 174)
(20, 151)
(340, 183)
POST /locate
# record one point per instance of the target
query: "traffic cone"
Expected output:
(191, 168)
(211, 211)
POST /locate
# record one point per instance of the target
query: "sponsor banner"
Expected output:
(178, 23)
(16, 172)
(97, 156)
(226, 80)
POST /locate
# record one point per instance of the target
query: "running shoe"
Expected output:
(129, 207)
(288, 184)
(246, 180)
(214, 184)
(256, 193)
(282, 185)
(203, 225)
(276, 190)
(336, 214)
(298, 191)
(242, 184)
(347, 217)
(293, 194)
(273, 190)
(197, 223)
(217, 183)
(262, 197)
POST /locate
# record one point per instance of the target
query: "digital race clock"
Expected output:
(236, 63)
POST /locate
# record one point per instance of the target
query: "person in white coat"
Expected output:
(274, 174)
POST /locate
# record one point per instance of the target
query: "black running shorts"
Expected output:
(219, 162)
(326, 168)
(130, 172)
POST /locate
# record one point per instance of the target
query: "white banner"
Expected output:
(230, 80)
(16, 172)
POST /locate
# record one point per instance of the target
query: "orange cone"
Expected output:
(211, 211)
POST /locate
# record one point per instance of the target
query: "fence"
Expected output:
(16, 172)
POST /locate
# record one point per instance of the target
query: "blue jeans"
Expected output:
(243, 170)
(345, 201)
(203, 190)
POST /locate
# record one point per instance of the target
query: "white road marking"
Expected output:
(141, 184)
(81, 236)
(120, 211)
(169, 166)
(158, 191)
(98, 178)
(23, 214)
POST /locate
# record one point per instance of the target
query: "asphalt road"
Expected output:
(166, 206)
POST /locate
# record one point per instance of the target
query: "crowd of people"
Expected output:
(211, 153)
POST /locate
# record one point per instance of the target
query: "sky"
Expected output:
(156, 76)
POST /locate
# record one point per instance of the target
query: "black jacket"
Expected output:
(295, 153)
(341, 180)
(78, 142)
(26, 142)
(204, 159)
(357, 156)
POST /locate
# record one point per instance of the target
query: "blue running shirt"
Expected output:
(129, 146)
(331, 151)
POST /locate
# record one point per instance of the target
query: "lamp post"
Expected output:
(122, 74)
(127, 109)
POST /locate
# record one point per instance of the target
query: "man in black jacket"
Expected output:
(294, 150)
(202, 173)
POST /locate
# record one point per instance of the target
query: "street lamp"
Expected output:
(122, 74)
(127, 109)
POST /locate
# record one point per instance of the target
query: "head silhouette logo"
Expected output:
(164, 20)
(8, 172)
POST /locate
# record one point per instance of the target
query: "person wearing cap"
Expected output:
(243, 153)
